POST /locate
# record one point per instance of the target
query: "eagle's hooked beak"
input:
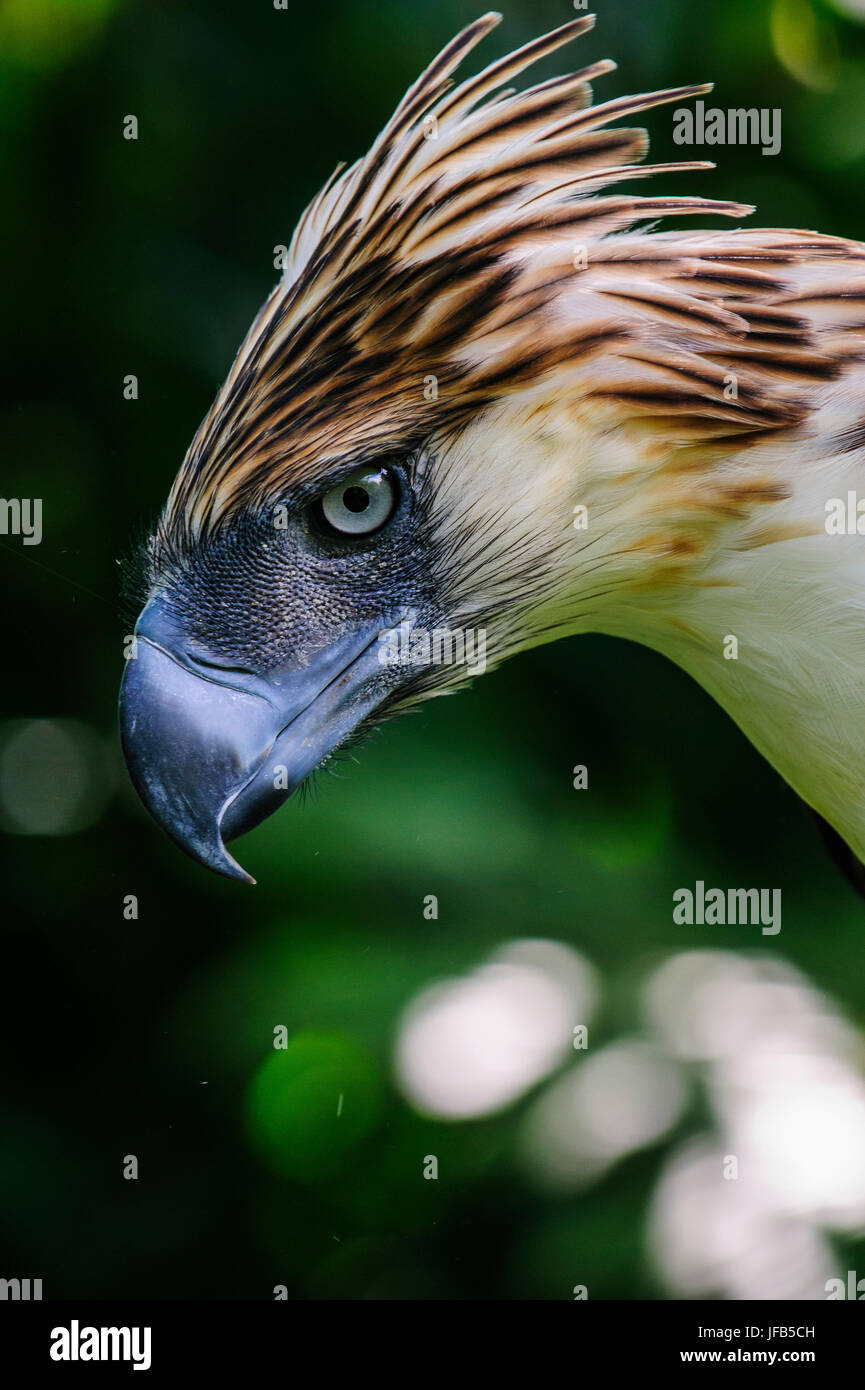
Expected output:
(214, 749)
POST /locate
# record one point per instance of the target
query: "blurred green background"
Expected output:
(153, 1037)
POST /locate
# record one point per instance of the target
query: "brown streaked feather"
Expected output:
(474, 89)
(454, 257)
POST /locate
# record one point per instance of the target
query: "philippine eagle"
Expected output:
(487, 397)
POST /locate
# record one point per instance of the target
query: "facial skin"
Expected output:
(258, 654)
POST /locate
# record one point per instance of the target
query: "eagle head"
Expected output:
(471, 351)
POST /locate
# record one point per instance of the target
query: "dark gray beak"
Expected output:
(214, 750)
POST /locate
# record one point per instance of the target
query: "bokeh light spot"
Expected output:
(311, 1103)
(43, 33)
(469, 1047)
(55, 776)
(619, 1099)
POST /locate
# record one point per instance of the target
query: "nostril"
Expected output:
(226, 668)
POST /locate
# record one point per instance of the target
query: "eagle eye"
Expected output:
(361, 504)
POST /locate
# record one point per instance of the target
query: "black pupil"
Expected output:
(356, 498)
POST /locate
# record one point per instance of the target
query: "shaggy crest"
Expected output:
(482, 243)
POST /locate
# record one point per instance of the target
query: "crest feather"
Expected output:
(475, 244)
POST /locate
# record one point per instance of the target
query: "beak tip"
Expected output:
(220, 860)
(237, 873)
(228, 868)
(203, 753)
